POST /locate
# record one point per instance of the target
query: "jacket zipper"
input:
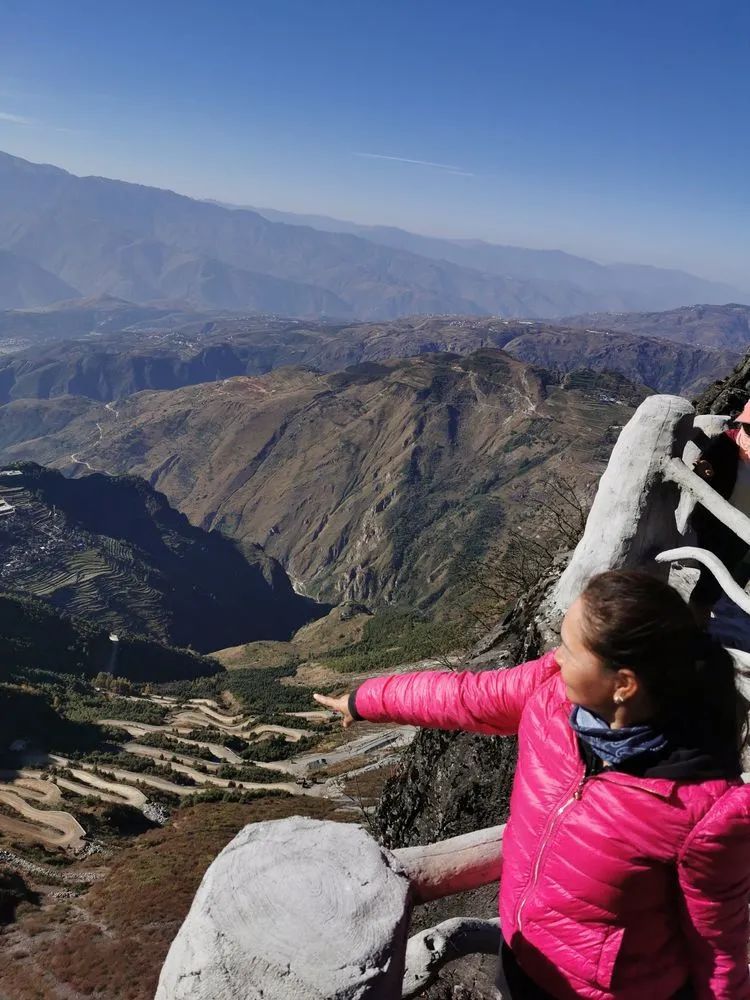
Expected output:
(574, 796)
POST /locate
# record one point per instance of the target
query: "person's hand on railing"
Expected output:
(340, 704)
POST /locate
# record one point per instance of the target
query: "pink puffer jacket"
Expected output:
(614, 887)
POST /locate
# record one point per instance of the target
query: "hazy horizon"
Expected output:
(615, 135)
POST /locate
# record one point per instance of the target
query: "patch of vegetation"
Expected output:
(395, 636)
(13, 892)
(90, 707)
(209, 735)
(132, 762)
(37, 716)
(277, 748)
(260, 692)
(241, 795)
(247, 772)
(161, 742)
(50, 856)
(108, 820)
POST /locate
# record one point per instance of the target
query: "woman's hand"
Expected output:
(340, 704)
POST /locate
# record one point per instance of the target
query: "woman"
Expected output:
(626, 872)
(725, 465)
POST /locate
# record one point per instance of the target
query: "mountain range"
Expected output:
(65, 236)
(375, 483)
(725, 327)
(116, 350)
(614, 282)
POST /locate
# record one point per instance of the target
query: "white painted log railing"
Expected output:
(638, 515)
(302, 909)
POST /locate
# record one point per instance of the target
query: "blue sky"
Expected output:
(617, 129)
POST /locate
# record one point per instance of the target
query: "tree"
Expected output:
(520, 559)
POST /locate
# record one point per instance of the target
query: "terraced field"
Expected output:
(45, 556)
(34, 803)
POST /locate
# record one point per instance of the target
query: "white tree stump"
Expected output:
(295, 909)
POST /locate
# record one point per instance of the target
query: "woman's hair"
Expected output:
(637, 621)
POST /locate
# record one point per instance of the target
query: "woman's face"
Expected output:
(588, 682)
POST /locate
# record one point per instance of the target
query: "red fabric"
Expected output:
(619, 894)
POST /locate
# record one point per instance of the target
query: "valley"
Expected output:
(113, 838)
(340, 341)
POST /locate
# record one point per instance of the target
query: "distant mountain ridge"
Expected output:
(655, 287)
(112, 366)
(724, 327)
(100, 236)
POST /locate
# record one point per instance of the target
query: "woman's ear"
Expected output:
(627, 685)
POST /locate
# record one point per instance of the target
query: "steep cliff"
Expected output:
(114, 551)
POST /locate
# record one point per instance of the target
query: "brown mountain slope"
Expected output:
(717, 326)
(115, 365)
(369, 484)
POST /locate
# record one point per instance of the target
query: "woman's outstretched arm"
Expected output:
(490, 701)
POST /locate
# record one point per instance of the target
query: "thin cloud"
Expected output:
(9, 119)
(5, 116)
(419, 163)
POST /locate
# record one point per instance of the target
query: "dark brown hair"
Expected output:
(635, 620)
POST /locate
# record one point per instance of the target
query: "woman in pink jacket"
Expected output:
(626, 871)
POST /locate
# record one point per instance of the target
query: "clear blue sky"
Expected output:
(617, 129)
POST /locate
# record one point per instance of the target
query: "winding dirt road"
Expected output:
(58, 829)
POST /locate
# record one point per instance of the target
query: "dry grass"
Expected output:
(110, 943)
(255, 654)
(366, 789)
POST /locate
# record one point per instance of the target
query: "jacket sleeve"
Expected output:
(490, 701)
(714, 874)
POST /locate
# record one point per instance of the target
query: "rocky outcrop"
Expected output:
(728, 395)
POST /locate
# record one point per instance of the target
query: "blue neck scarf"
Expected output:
(614, 746)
